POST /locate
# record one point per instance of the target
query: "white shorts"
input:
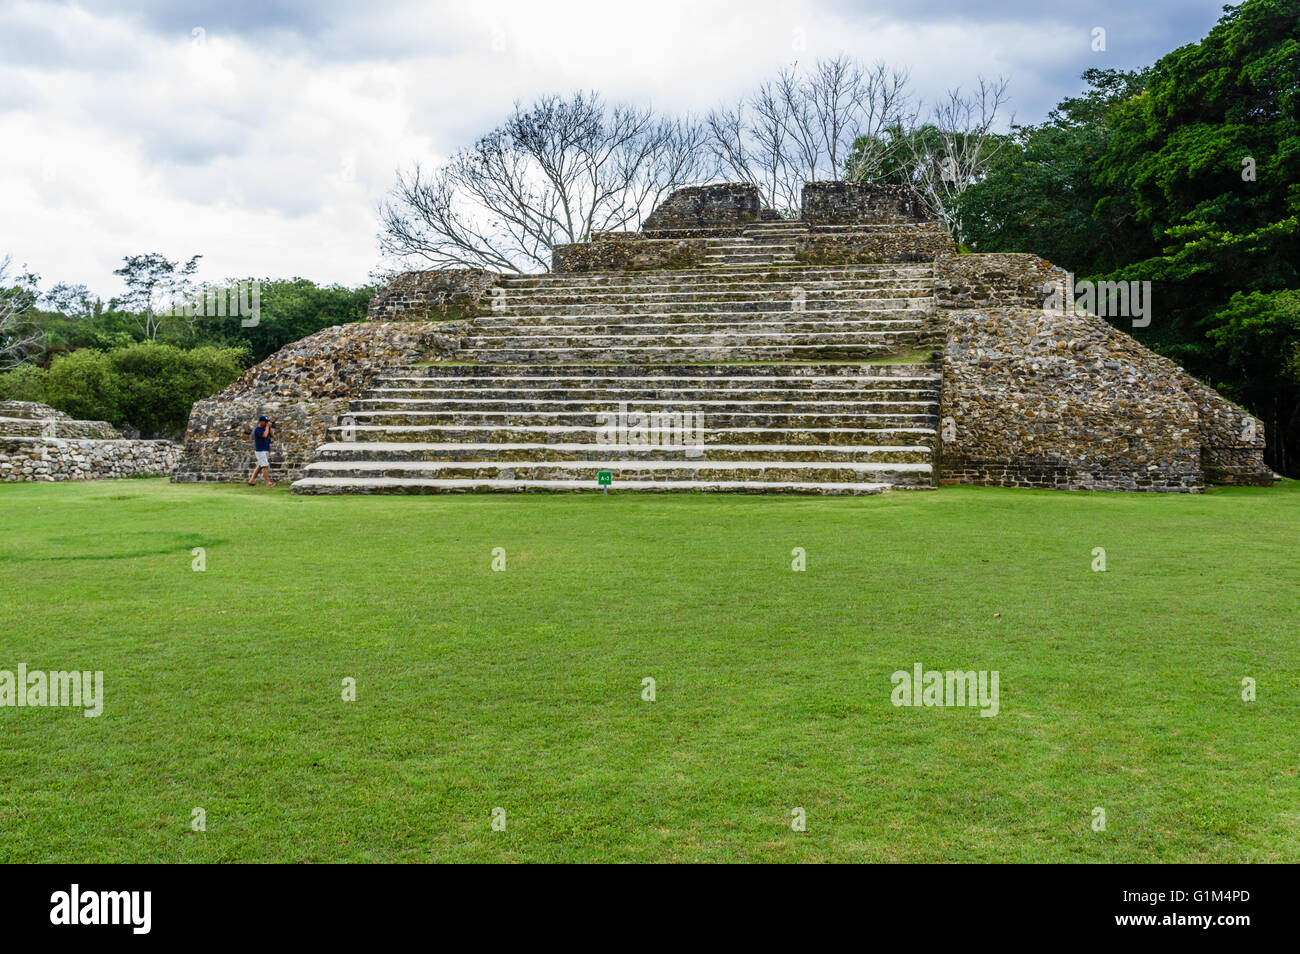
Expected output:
(262, 458)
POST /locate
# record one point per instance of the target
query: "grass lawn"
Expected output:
(522, 689)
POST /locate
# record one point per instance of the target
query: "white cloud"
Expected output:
(265, 141)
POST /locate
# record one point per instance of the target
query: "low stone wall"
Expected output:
(437, 295)
(848, 202)
(913, 243)
(303, 387)
(996, 280)
(1032, 399)
(724, 203)
(59, 427)
(29, 459)
(628, 251)
(29, 419)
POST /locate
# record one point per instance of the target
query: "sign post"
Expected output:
(604, 478)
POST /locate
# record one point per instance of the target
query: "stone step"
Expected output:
(676, 355)
(717, 419)
(708, 373)
(694, 308)
(665, 395)
(837, 319)
(720, 283)
(382, 485)
(368, 405)
(545, 337)
(411, 451)
(761, 251)
(573, 434)
(793, 323)
(916, 310)
(737, 303)
(628, 470)
(688, 276)
(722, 287)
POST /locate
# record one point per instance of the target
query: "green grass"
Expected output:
(521, 689)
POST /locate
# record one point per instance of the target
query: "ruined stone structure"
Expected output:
(39, 443)
(724, 347)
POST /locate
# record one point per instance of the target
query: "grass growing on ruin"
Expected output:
(522, 689)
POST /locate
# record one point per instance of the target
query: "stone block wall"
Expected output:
(865, 245)
(997, 280)
(29, 419)
(628, 251)
(721, 204)
(39, 443)
(303, 387)
(36, 459)
(831, 203)
(1033, 399)
(437, 295)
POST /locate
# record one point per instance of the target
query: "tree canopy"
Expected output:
(1185, 174)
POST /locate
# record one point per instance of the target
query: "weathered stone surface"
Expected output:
(859, 202)
(304, 387)
(628, 251)
(726, 203)
(918, 243)
(35, 459)
(1003, 279)
(1033, 399)
(39, 443)
(435, 295)
(29, 419)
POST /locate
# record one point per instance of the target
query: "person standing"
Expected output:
(262, 451)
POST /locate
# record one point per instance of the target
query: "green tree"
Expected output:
(24, 383)
(158, 383)
(1258, 337)
(84, 385)
(290, 309)
(154, 283)
(146, 388)
(1040, 194)
(1187, 175)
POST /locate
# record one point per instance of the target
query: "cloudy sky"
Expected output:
(262, 134)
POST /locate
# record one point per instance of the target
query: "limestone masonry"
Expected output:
(724, 347)
(39, 443)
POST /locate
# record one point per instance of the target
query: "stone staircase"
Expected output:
(748, 374)
(745, 314)
(772, 243)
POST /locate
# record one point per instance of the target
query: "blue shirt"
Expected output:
(261, 440)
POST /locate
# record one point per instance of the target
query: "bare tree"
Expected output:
(553, 173)
(802, 126)
(886, 106)
(19, 338)
(954, 149)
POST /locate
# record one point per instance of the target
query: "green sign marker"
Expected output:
(604, 477)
